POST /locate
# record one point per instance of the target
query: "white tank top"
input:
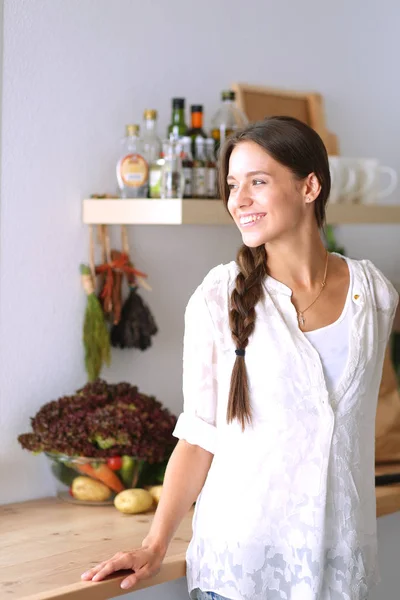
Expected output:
(332, 344)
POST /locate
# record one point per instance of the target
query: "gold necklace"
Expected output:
(300, 313)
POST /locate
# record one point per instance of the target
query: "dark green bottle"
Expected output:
(178, 126)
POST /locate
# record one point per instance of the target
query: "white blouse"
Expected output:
(288, 509)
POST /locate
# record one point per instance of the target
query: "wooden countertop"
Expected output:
(46, 544)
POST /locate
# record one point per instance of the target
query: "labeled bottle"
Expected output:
(197, 125)
(187, 165)
(227, 119)
(211, 172)
(172, 177)
(177, 127)
(132, 167)
(199, 169)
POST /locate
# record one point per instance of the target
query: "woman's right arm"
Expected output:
(185, 475)
(190, 462)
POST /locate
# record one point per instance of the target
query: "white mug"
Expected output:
(343, 179)
(368, 172)
(363, 179)
(373, 173)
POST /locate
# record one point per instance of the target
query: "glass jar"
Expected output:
(172, 175)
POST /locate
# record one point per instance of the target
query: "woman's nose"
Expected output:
(243, 197)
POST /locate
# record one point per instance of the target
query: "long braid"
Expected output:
(252, 263)
(298, 147)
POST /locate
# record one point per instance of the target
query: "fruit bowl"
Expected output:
(117, 473)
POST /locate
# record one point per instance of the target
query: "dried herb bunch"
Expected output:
(102, 420)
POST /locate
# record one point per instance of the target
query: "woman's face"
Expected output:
(265, 200)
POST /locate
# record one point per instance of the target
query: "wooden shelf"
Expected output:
(155, 212)
(212, 212)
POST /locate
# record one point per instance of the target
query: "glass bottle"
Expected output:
(152, 151)
(197, 125)
(132, 167)
(227, 119)
(155, 177)
(199, 169)
(151, 141)
(178, 126)
(211, 173)
(172, 177)
(187, 165)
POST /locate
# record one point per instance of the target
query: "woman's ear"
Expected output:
(312, 188)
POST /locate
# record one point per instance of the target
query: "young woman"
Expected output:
(283, 355)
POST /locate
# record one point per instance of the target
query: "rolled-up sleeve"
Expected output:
(197, 423)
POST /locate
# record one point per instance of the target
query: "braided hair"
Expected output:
(295, 145)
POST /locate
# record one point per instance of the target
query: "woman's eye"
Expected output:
(258, 181)
(231, 186)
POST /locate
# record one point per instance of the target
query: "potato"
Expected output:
(133, 501)
(155, 491)
(85, 488)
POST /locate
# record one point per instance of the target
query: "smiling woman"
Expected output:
(283, 354)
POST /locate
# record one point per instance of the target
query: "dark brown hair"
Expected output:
(298, 147)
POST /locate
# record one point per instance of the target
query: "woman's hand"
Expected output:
(145, 562)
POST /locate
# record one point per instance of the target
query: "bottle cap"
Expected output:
(132, 130)
(178, 103)
(210, 142)
(196, 108)
(150, 114)
(228, 95)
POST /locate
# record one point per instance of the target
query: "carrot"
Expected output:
(86, 469)
(107, 476)
(102, 473)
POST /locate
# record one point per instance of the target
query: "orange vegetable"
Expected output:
(86, 469)
(107, 476)
(104, 474)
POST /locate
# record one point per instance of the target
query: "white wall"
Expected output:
(74, 73)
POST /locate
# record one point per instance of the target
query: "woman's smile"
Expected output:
(250, 220)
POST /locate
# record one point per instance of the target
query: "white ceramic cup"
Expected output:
(373, 172)
(368, 173)
(363, 179)
(343, 179)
